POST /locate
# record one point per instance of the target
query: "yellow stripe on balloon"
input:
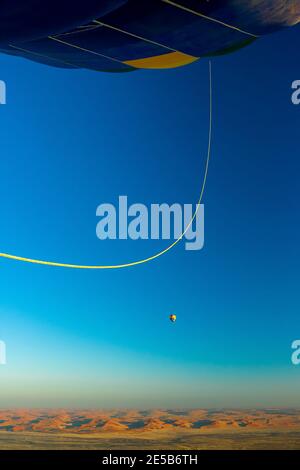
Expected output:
(164, 61)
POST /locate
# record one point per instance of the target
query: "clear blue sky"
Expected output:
(71, 140)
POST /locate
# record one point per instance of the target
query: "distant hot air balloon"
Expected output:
(125, 35)
(173, 318)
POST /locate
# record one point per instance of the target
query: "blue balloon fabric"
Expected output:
(125, 35)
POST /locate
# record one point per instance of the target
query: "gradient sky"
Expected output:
(71, 140)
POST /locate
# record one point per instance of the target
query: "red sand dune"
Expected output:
(126, 420)
(155, 423)
(113, 425)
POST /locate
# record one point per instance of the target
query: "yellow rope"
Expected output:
(114, 28)
(54, 59)
(209, 18)
(54, 38)
(159, 254)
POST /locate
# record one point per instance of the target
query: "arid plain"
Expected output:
(150, 429)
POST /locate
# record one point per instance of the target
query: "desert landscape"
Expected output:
(150, 429)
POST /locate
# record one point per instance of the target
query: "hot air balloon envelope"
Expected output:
(125, 35)
(173, 318)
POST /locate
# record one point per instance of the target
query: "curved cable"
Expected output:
(160, 253)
